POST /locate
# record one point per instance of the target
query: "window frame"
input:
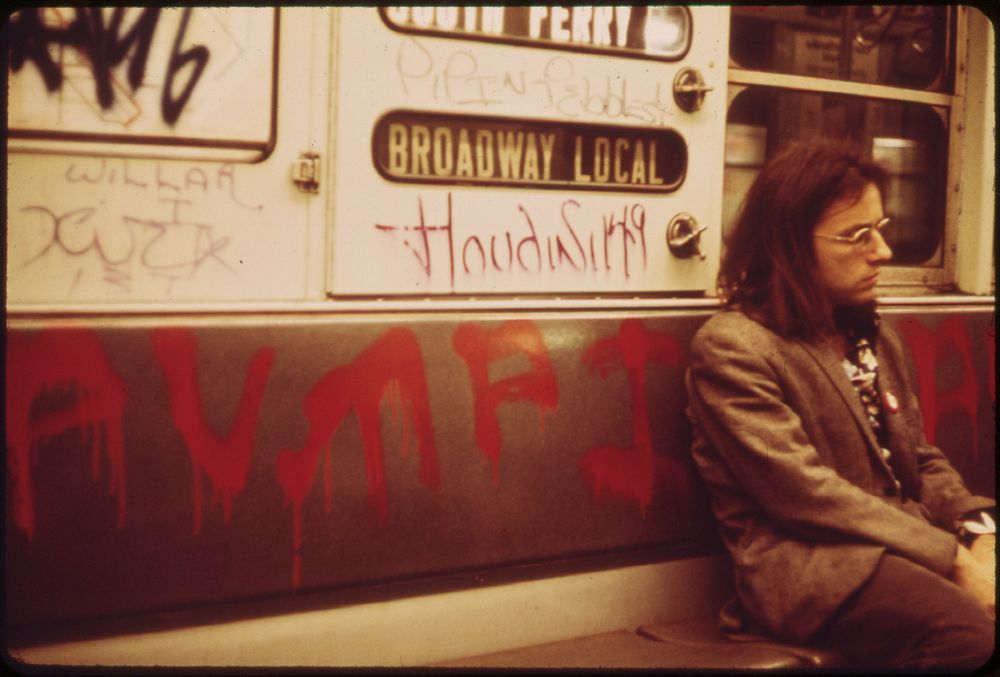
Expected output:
(904, 280)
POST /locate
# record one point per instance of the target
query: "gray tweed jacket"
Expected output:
(805, 502)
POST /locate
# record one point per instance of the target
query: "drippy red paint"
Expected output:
(392, 368)
(630, 473)
(479, 347)
(991, 365)
(66, 359)
(928, 347)
(225, 460)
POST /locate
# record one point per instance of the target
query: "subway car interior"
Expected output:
(356, 336)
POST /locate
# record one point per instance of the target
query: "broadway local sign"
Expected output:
(424, 147)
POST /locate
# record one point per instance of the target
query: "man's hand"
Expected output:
(975, 577)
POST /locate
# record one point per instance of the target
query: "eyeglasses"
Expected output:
(862, 237)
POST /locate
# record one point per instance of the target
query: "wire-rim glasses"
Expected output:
(862, 238)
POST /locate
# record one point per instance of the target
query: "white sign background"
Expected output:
(231, 99)
(516, 240)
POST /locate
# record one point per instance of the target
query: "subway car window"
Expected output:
(909, 139)
(901, 46)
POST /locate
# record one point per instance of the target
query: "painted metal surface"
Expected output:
(438, 209)
(161, 464)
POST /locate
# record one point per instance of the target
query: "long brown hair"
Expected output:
(768, 266)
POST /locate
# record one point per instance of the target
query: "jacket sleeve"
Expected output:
(738, 405)
(942, 490)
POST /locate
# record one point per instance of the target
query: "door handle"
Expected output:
(684, 237)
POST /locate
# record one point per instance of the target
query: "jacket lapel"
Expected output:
(903, 462)
(828, 361)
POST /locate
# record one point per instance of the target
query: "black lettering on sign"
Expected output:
(657, 32)
(420, 147)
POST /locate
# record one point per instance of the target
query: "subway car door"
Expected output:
(523, 150)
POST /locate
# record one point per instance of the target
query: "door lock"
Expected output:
(684, 236)
(689, 89)
(305, 172)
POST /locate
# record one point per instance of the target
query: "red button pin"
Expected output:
(891, 403)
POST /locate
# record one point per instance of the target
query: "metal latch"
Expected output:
(689, 89)
(684, 235)
(305, 172)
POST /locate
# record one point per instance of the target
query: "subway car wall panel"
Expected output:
(156, 466)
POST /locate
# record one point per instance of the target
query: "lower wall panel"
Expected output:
(175, 463)
(425, 629)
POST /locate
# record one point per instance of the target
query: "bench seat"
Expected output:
(689, 644)
(703, 633)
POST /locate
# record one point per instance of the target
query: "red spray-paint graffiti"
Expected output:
(73, 360)
(928, 346)
(478, 348)
(392, 368)
(630, 473)
(225, 460)
(991, 364)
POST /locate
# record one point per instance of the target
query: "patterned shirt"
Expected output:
(861, 367)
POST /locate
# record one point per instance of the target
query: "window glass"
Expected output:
(898, 45)
(908, 139)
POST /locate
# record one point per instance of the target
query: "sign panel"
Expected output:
(199, 77)
(662, 32)
(470, 163)
(124, 207)
(451, 149)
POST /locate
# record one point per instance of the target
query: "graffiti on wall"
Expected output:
(543, 117)
(390, 371)
(141, 71)
(102, 48)
(74, 361)
(629, 473)
(457, 77)
(446, 245)
(392, 368)
(167, 231)
(70, 370)
(224, 459)
(479, 347)
(932, 347)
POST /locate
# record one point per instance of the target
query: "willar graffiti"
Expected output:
(171, 234)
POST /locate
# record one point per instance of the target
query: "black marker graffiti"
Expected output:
(169, 106)
(32, 39)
